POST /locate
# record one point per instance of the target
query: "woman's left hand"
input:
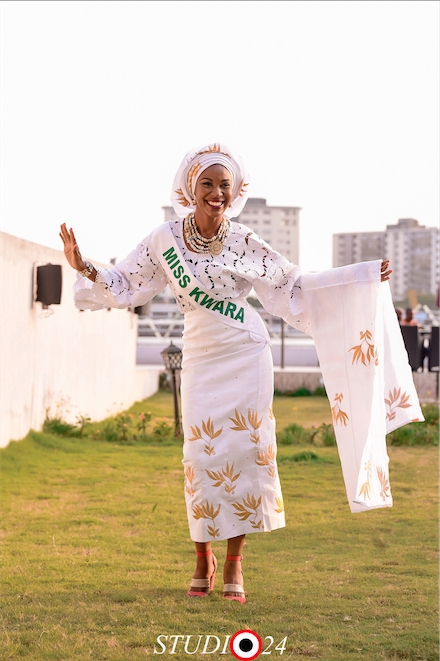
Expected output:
(385, 272)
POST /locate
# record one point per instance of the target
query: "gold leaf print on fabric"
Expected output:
(242, 188)
(207, 512)
(364, 351)
(192, 173)
(226, 477)
(396, 400)
(366, 487)
(248, 510)
(209, 431)
(241, 424)
(213, 149)
(271, 414)
(268, 459)
(189, 475)
(280, 503)
(337, 413)
(384, 483)
(182, 199)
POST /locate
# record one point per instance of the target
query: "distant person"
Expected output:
(399, 313)
(409, 319)
(232, 486)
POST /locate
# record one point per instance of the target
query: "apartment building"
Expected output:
(412, 249)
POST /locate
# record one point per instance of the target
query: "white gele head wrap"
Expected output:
(197, 161)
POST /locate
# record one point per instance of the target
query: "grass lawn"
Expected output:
(96, 556)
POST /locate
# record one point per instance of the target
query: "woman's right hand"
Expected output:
(71, 249)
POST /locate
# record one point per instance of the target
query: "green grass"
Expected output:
(304, 411)
(96, 556)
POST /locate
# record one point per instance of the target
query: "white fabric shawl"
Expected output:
(366, 373)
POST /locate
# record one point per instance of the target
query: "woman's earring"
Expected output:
(194, 202)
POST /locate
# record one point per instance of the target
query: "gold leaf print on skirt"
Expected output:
(268, 459)
(209, 431)
(241, 424)
(366, 487)
(280, 503)
(189, 476)
(337, 413)
(364, 351)
(207, 511)
(365, 490)
(384, 483)
(396, 400)
(226, 477)
(248, 510)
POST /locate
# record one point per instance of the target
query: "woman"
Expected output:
(409, 319)
(229, 453)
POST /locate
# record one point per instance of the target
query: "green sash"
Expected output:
(237, 313)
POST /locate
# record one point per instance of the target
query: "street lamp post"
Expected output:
(172, 358)
(282, 344)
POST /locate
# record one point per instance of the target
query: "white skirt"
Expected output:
(229, 454)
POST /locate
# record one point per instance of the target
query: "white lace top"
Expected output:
(245, 262)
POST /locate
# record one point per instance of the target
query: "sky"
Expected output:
(334, 107)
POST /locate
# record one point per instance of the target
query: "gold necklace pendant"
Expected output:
(216, 247)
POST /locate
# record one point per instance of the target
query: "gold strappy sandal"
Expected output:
(203, 582)
(234, 587)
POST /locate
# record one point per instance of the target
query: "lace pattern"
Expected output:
(245, 262)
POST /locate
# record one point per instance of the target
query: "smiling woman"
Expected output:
(212, 195)
(232, 486)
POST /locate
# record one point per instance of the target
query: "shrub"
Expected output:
(325, 434)
(82, 421)
(294, 435)
(431, 413)
(164, 382)
(59, 427)
(414, 434)
(306, 455)
(302, 392)
(162, 430)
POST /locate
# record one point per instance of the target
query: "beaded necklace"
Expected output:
(199, 243)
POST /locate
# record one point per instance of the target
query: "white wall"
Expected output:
(76, 363)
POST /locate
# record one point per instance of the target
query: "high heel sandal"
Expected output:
(203, 582)
(234, 587)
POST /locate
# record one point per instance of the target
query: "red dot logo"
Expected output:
(246, 644)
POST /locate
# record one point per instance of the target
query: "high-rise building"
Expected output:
(278, 226)
(413, 251)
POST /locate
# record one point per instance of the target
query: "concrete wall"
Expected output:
(61, 359)
(294, 378)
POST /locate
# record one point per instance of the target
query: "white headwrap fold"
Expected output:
(197, 161)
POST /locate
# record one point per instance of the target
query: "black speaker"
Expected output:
(49, 282)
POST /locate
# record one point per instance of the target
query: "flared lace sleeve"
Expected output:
(277, 282)
(132, 282)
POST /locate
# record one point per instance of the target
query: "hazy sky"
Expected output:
(333, 106)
